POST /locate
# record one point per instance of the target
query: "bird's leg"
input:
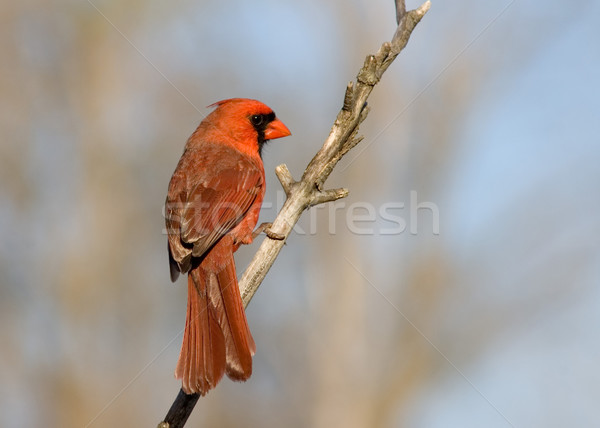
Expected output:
(266, 227)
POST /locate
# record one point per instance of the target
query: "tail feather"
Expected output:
(239, 343)
(202, 359)
(217, 338)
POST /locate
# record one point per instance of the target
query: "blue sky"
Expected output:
(519, 200)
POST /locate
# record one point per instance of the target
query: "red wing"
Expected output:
(216, 207)
(207, 201)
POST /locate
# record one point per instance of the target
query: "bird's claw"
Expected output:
(274, 235)
(266, 227)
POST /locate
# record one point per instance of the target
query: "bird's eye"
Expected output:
(256, 119)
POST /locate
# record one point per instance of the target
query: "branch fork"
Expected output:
(342, 138)
(316, 195)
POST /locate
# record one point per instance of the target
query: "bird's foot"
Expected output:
(266, 227)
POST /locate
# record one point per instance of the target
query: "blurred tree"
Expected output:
(92, 133)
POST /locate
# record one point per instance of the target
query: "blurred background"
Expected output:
(371, 316)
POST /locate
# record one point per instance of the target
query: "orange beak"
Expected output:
(276, 129)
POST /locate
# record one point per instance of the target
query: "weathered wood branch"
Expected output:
(309, 190)
(342, 137)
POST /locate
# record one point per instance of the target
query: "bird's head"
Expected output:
(249, 123)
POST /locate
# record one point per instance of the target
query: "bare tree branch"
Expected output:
(309, 190)
(400, 10)
(180, 410)
(342, 137)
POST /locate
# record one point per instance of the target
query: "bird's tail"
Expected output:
(217, 338)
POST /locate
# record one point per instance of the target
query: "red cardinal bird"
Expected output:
(212, 207)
